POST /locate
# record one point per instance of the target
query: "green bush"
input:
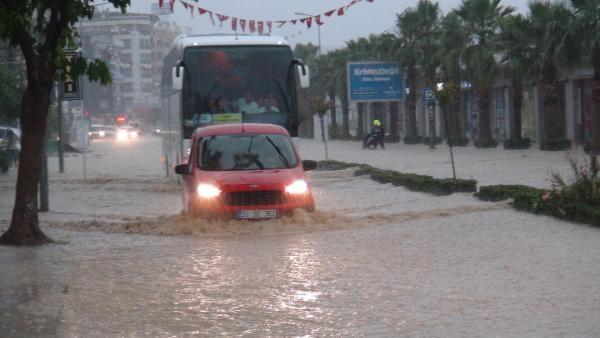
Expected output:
(513, 143)
(495, 193)
(4, 161)
(436, 140)
(413, 140)
(488, 144)
(555, 144)
(414, 182)
(460, 142)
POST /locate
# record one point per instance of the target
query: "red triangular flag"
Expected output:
(202, 10)
(330, 13)
(252, 26)
(280, 23)
(308, 22)
(340, 11)
(243, 24)
(261, 27)
(160, 3)
(185, 5)
(293, 22)
(234, 24)
(318, 20)
(211, 17)
(270, 25)
(171, 4)
(222, 18)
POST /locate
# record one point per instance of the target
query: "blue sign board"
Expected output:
(429, 95)
(375, 82)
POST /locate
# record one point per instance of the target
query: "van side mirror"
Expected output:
(182, 169)
(177, 75)
(309, 165)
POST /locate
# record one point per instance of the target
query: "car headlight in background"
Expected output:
(297, 188)
(134, 134)
(122, 135)
(206, 190)
(102, 133)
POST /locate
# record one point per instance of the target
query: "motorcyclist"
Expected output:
(377, 132)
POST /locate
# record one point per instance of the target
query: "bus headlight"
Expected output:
(206, 190)
(122, 135)
(297, 188)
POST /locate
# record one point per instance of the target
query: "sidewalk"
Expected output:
(488, 166)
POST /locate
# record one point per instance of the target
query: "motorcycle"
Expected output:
(371, 142)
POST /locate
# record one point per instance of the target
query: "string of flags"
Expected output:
(260, 26)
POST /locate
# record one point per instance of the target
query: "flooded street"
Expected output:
(373, 260)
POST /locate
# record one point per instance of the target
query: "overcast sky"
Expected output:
(361, 20)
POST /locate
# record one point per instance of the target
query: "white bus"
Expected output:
(211, 79)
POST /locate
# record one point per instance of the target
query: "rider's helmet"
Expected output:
(377, 123)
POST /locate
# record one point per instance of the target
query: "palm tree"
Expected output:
(517, 60)
(553, 46)
(453, 39)
(587, 27)
(407, 24)
(481, 18)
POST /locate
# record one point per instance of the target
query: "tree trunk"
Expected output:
(345, 112)
(595, 144)
(24, 227)
(334, 127)
(394, 118)
(554, 118)
(484, 137)
(360, 130)
(517, 87)
(411, 105)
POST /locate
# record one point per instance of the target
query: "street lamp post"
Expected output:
(318, 30)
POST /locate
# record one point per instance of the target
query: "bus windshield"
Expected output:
(236, 83)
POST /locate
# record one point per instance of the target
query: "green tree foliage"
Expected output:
(12, 86)
(41, 29)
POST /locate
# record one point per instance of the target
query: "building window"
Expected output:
(127, 72)
(146, 72)
(145, 58)
(126, 43)
(147, 87)
(126, 57)
(127, 87)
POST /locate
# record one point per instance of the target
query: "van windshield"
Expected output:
(246, 152)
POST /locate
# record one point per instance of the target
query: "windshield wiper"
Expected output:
(282, 157)
(252, 156)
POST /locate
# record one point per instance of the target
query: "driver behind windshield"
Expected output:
(269, 105)
(247, 104)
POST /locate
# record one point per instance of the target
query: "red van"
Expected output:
(244, 171)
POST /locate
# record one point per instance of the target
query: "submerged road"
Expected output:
(374, 260)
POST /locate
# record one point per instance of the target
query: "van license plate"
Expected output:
(251, 214)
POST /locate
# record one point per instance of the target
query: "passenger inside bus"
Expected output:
(247, 104)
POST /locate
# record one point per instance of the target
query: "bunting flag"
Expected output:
(259, 25)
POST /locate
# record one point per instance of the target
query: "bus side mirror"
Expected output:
(303, 75)
(177, 76)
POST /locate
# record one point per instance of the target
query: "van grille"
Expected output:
(259, 197)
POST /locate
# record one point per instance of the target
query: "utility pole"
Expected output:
(59, 105)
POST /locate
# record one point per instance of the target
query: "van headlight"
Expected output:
(206, 190)
(297, 187)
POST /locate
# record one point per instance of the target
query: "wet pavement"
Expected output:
(375, 260)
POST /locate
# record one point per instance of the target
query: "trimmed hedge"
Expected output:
(414, 182)
(555, 144)
(413, 140)
(333, 165)
(436, 140)
(460, 142)
(513, 143)
(501, 192)
(488, 144)
(569, 211)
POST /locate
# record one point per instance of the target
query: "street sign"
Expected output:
(429, 95)
(375, 81)
(70, 85)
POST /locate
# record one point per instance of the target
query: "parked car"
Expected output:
(244, 171)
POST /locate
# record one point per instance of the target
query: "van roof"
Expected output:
(239, 128)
